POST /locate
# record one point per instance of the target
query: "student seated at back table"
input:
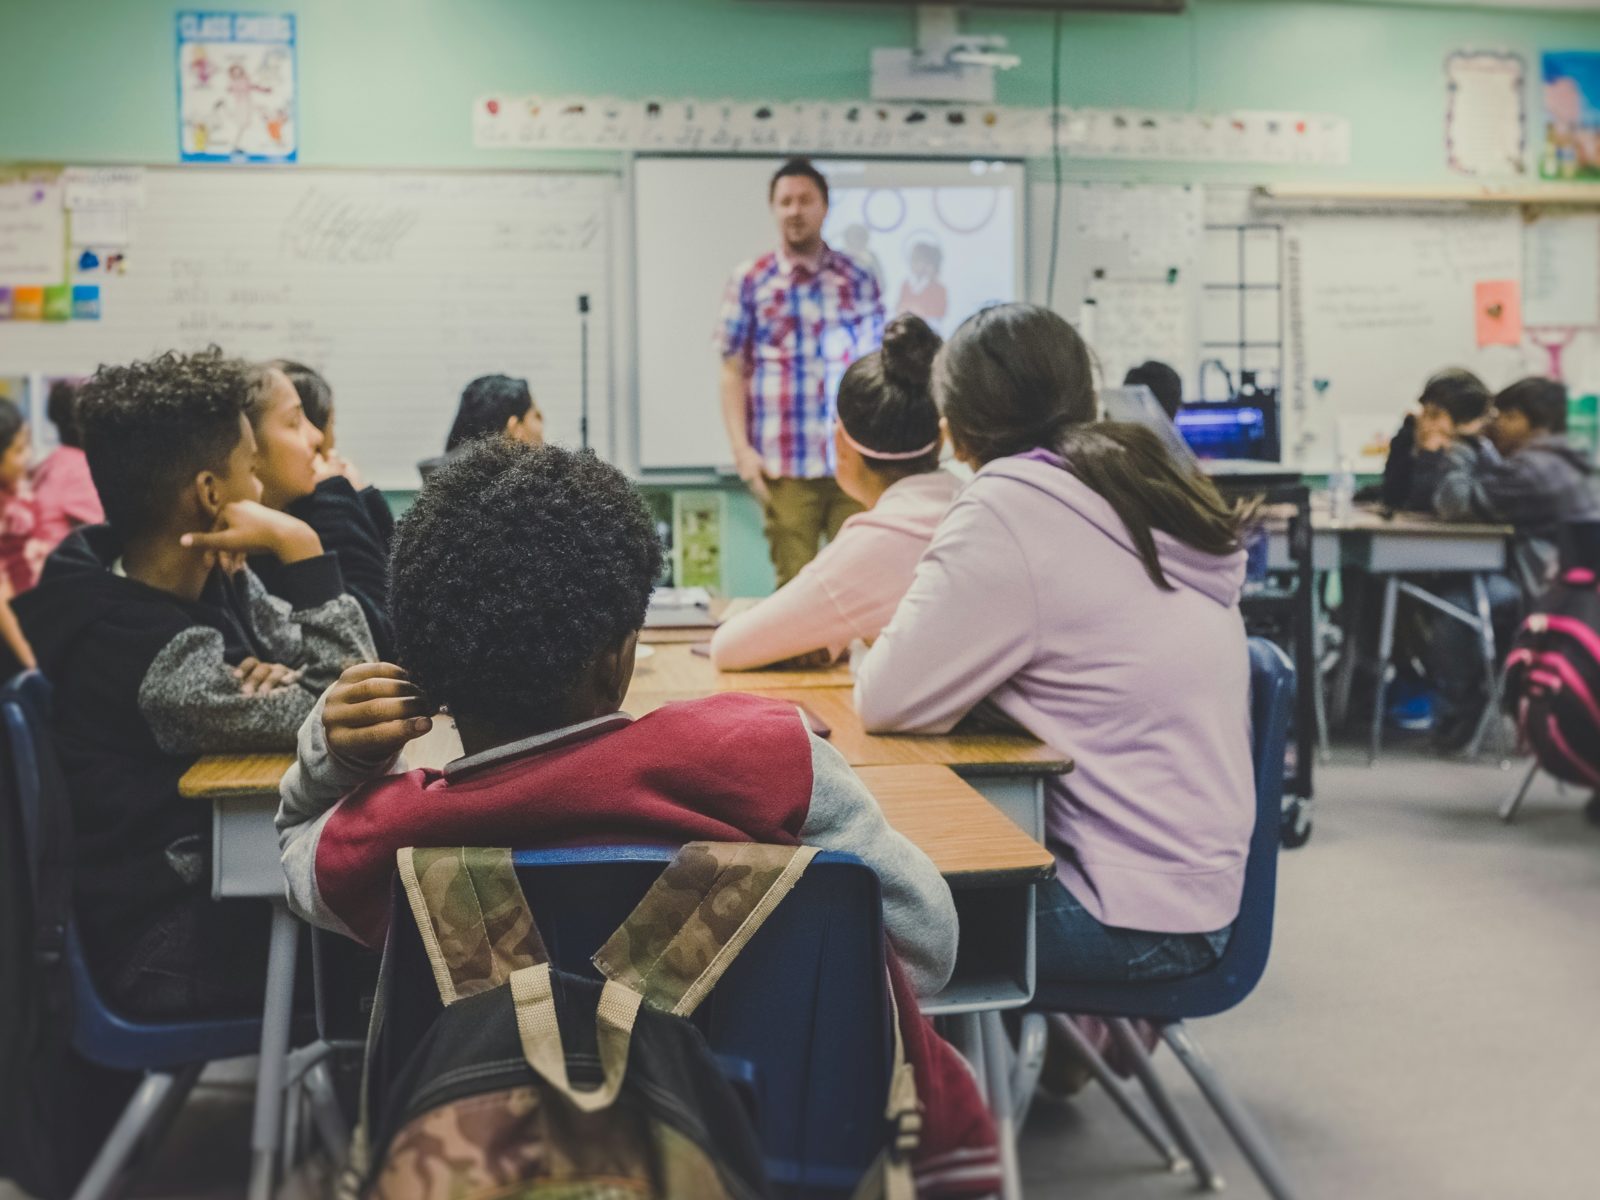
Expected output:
(1164, 383)
(159, 653)
(1532, 479)
(887, 439)
(491, 406)
(1454, 405)
(294, 480)
(521, 578)
(62, 487)
(1087, 587)
(316, 399)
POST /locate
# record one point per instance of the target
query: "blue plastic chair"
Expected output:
(170, 1053)
(800, 1023)
(1172, 1002)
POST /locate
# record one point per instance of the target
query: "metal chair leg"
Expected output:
(1251, 1141)
(1032, 1039)
(1120, 1095)
(1513, 802)
(154, 1103)
(332, 1128)
(1182, 1132)
(1490, 719)
(1380, 689)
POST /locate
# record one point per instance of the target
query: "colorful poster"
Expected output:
(236, 87)
(1571, 145)
(697, 539)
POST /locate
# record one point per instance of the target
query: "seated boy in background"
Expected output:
(161, 648)
(1529, 477)
(1164, 383)
(519, 584)
(1453, 410)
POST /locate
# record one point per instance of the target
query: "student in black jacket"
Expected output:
(162, 647)
(316, 399)
(294, 480)
(1452, 411)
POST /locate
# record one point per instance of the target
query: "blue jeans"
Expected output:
(1074, 947)
(1454, 659)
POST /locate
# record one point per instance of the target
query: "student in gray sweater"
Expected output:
(162, 647)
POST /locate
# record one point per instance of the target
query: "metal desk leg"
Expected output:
(997, 1069)
(1380, 690)
(267, 1131)
(1491, 672)
(1352, 610)
(1319, 692)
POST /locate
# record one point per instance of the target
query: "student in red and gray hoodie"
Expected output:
(519, 583)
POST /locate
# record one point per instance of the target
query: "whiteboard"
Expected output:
(399, 286)
(1126, 270)
(697, 219)
(1377, 302)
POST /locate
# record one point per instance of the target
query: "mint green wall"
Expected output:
(391, 82)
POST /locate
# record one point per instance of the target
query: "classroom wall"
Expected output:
(391, 82)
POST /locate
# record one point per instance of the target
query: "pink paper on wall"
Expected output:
(1498, 312)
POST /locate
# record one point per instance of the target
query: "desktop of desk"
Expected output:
(678, 669)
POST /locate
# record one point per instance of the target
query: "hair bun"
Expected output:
(909, 346)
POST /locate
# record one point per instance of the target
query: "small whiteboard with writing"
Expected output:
(399, 286)
(1561, 271)
(33, 250)
(1377, 303)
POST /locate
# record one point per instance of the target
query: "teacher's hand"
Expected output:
(753, 471)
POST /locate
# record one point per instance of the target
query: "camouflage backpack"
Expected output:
(537, 1083)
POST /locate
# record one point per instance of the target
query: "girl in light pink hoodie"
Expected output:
(1088, 587)
(888, 441)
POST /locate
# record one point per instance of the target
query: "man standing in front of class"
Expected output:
(791, 322)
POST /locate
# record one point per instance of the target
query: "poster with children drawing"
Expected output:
(236, 87)
(1571, 147)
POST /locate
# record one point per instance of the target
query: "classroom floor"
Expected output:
(1422, 1032)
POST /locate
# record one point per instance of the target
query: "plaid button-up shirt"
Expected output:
(797, 329)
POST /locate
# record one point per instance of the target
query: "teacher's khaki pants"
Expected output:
(799, 514)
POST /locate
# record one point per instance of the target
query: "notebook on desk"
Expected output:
(679, 608)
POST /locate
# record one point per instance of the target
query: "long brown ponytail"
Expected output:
(1017, 377)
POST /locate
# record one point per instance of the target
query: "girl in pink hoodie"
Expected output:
(1088, 587)
(888, 441)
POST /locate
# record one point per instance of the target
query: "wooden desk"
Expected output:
(677, 669)
(996, 753)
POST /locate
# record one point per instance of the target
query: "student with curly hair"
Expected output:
(161, 649)
(519, 585)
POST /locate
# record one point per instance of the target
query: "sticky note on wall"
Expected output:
(86, 302)
(1499, 312)
(27, 304)
(5, 304)
(58, 302)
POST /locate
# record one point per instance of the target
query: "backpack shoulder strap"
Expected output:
(696, 918)
(472, 915)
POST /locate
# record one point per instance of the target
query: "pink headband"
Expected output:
(885, 455)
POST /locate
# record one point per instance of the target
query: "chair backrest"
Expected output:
(1272, 682)
(801, 1018)
(99, 1034)
(1580, 545)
